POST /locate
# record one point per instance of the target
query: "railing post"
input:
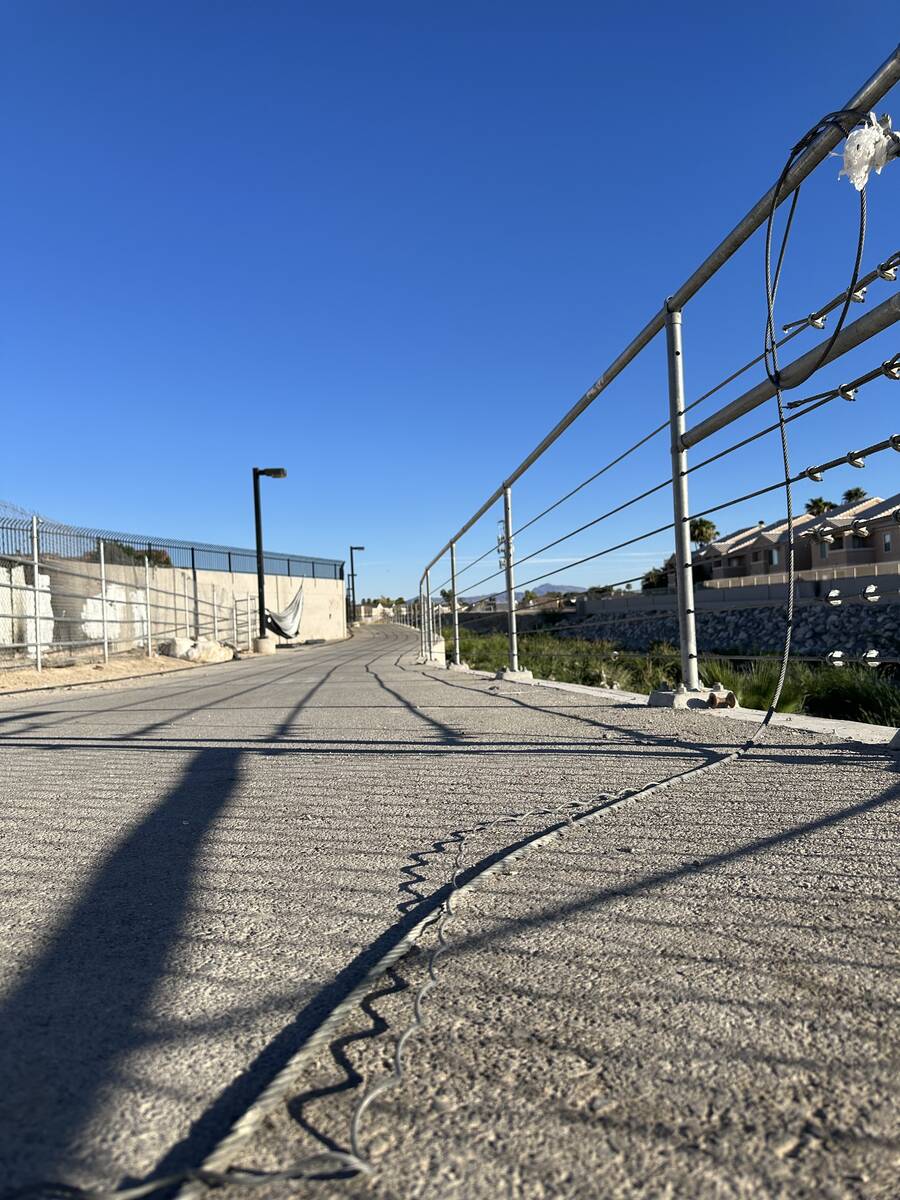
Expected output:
(420, 620)
(453, 601)
(234, 635)
(215, 614)
(147, 604)
(103, 601)
(684, 568)
(36, 568)
(249, 626)
(426, 616)
(510, 579)
(185, 599)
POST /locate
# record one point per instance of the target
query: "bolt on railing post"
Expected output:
(453, 601)
(103, 601)
(684, 568)
(36, 567)
(510, 579)
(147, 605)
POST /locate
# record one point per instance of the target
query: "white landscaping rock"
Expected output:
(177, 648)
(208, 651)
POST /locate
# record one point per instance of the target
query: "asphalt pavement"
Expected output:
(695, 996)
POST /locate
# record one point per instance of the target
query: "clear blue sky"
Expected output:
(387, 245)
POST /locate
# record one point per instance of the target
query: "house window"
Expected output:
(757, 555)
(823, 549)
(717, 562)
(734, 561)
(888, 541)
(774, 558)
(857, 543)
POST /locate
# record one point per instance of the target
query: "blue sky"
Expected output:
(387, 246)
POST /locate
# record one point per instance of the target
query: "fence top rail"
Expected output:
(876, 87)
(140, 541)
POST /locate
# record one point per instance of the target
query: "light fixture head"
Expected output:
(272, 472)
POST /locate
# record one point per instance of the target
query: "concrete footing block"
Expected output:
(514, 676)
(680, 698)
(895, 741)
(459, 667)
(264, 645)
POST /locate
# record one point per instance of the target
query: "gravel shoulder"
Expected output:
(696, 996)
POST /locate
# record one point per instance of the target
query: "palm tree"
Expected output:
(854, 495)
(703, 531)
(818, 506)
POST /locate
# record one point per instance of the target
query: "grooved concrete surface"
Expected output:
(695, 997)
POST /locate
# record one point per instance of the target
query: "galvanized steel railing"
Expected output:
(669, 318)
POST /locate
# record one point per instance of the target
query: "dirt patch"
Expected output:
(124, 666)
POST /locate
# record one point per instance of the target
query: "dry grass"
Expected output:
(123, 666)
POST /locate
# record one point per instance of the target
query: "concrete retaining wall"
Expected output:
(181, 603)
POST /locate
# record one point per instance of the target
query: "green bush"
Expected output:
(754, 685)
(853, 694)
(848, 693)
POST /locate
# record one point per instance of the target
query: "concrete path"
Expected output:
(697, 996)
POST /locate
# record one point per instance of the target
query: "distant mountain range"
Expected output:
(543, 589)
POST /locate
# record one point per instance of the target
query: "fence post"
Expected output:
(215, 614)
(684, 569)
(249, 626)
(36, 566)
(187, 633)
(147, 600)
(103, 601)
(453, 601)
(196, 595)
(510, 579)
(234, 620)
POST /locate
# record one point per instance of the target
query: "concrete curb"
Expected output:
(856, 731)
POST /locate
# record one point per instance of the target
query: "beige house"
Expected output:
(867, 531)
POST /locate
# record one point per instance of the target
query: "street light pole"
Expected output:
(267, 646)
(353, 582)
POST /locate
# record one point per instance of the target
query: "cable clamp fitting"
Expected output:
(846, 392)
(859, 528)
(836, 658)
(870, 593)
(895, 441)
(871, 658)
(891, 368)
(888, 269)
(834, 598)
(859, 296)
(814, 474)
(855, 459)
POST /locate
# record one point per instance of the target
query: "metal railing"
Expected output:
(849, 336)
(65, 589)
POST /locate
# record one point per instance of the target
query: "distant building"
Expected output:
(867, 531)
